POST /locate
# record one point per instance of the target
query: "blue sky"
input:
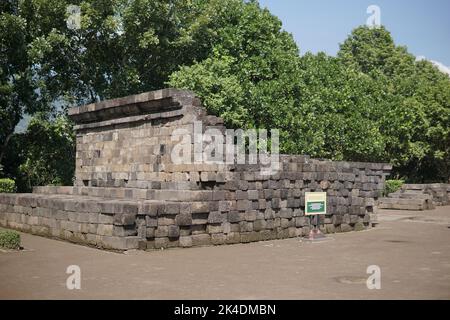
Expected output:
(320, 25)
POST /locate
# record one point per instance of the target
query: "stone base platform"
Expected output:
(123, 224)
(132, 191)
(104, 223)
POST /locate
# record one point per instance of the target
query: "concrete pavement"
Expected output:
(412, 250)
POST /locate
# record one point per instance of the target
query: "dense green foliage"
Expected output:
(7, 186)
(373, 102)
(49, 150)
(391, 186)
(412, 102)
(250, 77)
(43, 154)
(9, 239)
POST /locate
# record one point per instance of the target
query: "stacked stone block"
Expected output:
(128, 193)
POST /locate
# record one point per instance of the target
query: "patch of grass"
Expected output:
(9, 239)
(391, 186)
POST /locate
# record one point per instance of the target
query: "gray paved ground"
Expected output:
(411, 248)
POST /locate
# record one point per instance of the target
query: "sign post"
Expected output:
(315, 205)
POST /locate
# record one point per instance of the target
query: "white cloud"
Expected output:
(442, 67)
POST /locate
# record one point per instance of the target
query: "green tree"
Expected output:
(49, 151)
(413, 103)
(372, 50)
(121, 47)
(373, 102)
(334, 117)
(249, 77)
(16, 84)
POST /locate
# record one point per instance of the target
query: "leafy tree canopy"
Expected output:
(373, 102)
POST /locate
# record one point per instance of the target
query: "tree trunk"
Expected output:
(5, 144)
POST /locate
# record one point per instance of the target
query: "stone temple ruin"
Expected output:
(128, 194)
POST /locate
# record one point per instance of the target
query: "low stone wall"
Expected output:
(239, 210)
(125, 200)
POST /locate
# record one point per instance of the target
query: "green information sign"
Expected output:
(315, 203)
(316, 207)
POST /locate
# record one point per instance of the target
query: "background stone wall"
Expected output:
(417, 197)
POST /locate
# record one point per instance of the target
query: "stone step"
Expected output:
(416, 186)
(405, 204)
(80, 204)
(410, 195)
(437, 192)
(132, 193)
(410, 191)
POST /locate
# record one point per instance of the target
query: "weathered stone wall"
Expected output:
(128, 194)
(127, 142)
